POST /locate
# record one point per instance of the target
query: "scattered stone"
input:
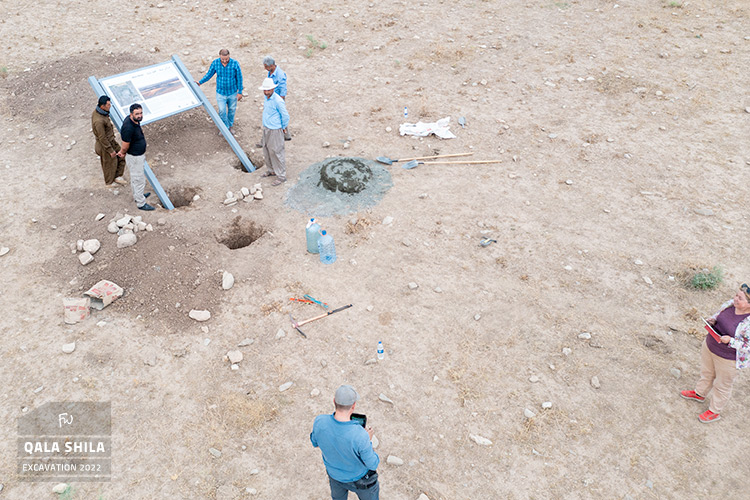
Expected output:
(92, 246)
(326, 144)
(163, 221)
(315, 393)
(206, 341)
(234, 357)
(280, 334)
(227, 280)
(101, 323)
(112, 227)
(483, 441)
(638, 262)
(204, 329)
(4, 250)
(230, 201)
(122, 222)
(254, 472)
(567, 351)
(85, 258)
(245, 343)
(676, 373)
(371, 361)
(422, 496)
(234, 367)
(406, 243)
(477, 317)
(69, 348)
(258, 195)
(214, 452)
(533, 379)
(388, 220)
(438, 289)
(584, 336)
(394, 460)
(388, 129)
(413, 286)
(569, 182)
(284, 387)
(60, 488)
(251, 491)
(547, 405)
(245, 192)
(595, 382)
(648, 280)
(79, 245)
(323, 363)
(199, 315)
(385, 398)
(126, 240)
(568, 268)
(99, 217)
(423, 196)
(528, 413)
(149, 227)
(704, 211)
(370, 308)
(375, 442)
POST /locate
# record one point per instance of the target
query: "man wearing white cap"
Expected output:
(347, 450)
(275, 121)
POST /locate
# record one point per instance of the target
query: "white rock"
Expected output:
(315, 392)
(280, 333)
(648, 280)
(92, 246)
(388, 220)
(230, 201)
(422, 496)
(85, 258)
(477, 317)
(284, 387)
(234, 356)
(126, 240)
(370, 308)
(258, 187)
(245, 343)
(569, 182)
(533, 379)
(567, 351)
(4, 250)
(547, 405)
(480, 440)
(99, 217)
(251, 491)
(141, 226)
(196, 198)
(371, 361)
(199, 315)
(245, 191)
(123, 221)
(394, 460)
(68, 348)
(112, 227)
(234, 367)
(413, 286)
(79, 245)
(584, 335)
(214, 452)
(568, 268)
(149, 227)
(528, 413)
(375, 442)
(258, 195)
(438, 289)
(595, 382)
(229, 194)
(59, 488)
(385, 398)
(254, 472)
(638, 262)
(388, 129)
(227, 280)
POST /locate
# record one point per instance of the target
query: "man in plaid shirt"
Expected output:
(228, 86)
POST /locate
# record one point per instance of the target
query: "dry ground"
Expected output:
(641, 104)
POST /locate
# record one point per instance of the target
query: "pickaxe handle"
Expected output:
(324, 315)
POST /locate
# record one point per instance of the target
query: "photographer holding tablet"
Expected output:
(725, 351)
(350, 461)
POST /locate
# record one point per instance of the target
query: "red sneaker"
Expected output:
(708, 416)
(692, 395)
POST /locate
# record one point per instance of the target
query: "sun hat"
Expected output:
(346, 396)
(267, 84)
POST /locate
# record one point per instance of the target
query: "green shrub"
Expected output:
(707, 280)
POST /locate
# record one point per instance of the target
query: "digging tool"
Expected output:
(414, 163)
(296, 324)
(304, 301)
(316, 301)
(388, 161)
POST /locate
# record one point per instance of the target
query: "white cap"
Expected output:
(267, 84)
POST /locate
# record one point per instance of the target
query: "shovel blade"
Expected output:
(410, 164)
(385, 160)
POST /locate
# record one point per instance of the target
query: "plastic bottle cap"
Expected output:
(312, 220)
(323, 232)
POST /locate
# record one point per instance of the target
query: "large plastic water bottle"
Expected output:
(326, 248)
(381, 353)
(313, 235)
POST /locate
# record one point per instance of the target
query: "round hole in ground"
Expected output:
(255, 157)
(240, 233)
(182, 196)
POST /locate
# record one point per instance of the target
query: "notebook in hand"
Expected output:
(711, 330)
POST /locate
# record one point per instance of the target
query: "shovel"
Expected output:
(414, 163)
(387, 161)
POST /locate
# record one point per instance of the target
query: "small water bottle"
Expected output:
(312, 235)
(381, 354)
(406, 113)
(326, 248)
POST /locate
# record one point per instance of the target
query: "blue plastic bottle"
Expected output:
(313, 235)
(326, 248)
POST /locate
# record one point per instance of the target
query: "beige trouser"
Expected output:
(137, 177)
(717, 371)
(273, 152)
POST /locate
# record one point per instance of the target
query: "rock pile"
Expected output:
(245, 194)
(125, 226)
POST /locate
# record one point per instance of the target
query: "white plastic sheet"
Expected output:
(441, 128)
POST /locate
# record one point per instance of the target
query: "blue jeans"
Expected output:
(227, 107)
(340, 491)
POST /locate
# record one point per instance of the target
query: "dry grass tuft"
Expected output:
(233, 413)
(271, 307)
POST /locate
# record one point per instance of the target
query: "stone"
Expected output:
(388, 220)
(567, 351)
(584, 335)
(477, 317)
(214, 452)
(528, 413)
(315, 392)
(245, 343)
(69, 348)
(676, 373)
(126, 240)
(123, 221)
(406, 243)
(388, 129)
(227, 280)
(533, 379)
(141, 226)
(638, 262)
(394, 460)
(323, 363)
(92, 246)
(569, 182)
(595, 382)
(258, 195)
(245, 192)
(285, 386)
(370, 308)
(547, 405)
(79, 245)
(326, 144)
(280, 334)
(413, 286)
(483, 441)
(85, 258)
(60, 488)
(234, 357)
(229, 194)
(704, 211)
(385, 398)
(254, 472)
(149, 227)
(234, 367)
(230, 201)
(251, 491)
(162, 221)
(648, 280)
(438, 289)
(199, 315)
(4, 250)
(375, 442)
(422, 496)
(99, 217)
(112, 227)
(371, 361)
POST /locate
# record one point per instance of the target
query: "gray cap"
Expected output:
(346, 396)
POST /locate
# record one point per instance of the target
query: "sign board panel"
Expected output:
(161, 89)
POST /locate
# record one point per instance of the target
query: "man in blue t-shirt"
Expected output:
(347, 450)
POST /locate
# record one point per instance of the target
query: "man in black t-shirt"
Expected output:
(134, 151)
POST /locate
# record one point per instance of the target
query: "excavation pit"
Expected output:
(240, 234)
(182, 196)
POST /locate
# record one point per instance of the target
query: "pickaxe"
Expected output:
(296, 324)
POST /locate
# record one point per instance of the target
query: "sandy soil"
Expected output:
(614, 122)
